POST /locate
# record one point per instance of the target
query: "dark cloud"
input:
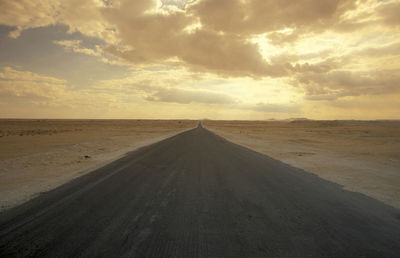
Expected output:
(156, 37)
(390, 13)
(260, 16)
(227, 55)
(219, 44)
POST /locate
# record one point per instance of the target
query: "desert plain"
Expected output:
(361, 156)
(39, 155)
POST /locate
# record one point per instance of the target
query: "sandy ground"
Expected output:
(362, 156)
(39, 155)
(197, 195)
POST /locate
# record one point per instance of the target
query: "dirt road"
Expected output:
(198, 195)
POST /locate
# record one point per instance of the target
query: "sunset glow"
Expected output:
(218, 59)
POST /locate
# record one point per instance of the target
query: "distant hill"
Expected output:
(295, 119)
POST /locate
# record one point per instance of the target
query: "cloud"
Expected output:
(156, 37)
(260, 16)
(147, 32)
(83, 16)
(331, 59)
(328, 50)
(390, 13)
(29, 86)
(180, 4)
(276, 108)
(75, 46)
(31, 89)
(184, 96)
(160, 85)
(12, 75)
(279, 38)
(24, 14)
(392, 49)
(220, 44)
(98, 51)
(226, 55)
(160, 90)
(338, 84)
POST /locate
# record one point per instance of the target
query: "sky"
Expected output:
(197, 59)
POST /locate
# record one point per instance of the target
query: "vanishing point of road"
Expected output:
(198, 195)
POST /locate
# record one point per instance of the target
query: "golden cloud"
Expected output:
(326, 49)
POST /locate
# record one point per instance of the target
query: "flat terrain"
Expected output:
(198, 195)
(363, 156)
(39, 155)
